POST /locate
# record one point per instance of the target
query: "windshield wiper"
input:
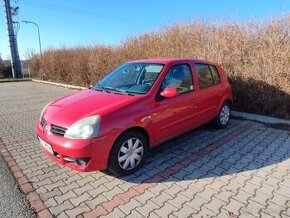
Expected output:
(116, 90)
(99, 88)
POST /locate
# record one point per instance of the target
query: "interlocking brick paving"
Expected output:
(243, 170)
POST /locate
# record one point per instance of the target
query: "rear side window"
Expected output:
(207, 75)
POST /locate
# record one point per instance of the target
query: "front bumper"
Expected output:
(78, 154)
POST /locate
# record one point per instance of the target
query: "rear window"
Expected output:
(207, 75)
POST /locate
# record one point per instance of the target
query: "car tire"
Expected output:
(128, 153)
(223, 117)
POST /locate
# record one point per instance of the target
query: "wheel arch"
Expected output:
(111, 165)
(226, 100)
(136, 129)
(229, 101)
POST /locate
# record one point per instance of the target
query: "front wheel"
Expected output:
(223, 116)
(128, 153)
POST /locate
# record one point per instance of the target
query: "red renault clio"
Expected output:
(137, 106)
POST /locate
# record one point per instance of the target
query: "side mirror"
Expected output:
(169, 92)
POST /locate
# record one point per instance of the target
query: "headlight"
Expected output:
(85, 128)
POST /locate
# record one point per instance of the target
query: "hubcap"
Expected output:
(130, 154)
(225, 115)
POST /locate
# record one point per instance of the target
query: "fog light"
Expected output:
(78, 161)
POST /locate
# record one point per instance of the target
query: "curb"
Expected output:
(15, 80)
(59, 84)
(260, 118)
(247, 116)
(36, 203)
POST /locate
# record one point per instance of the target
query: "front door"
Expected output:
(175, 115)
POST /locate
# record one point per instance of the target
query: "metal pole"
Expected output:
(39, 42)
(15, 60)
(29, 70)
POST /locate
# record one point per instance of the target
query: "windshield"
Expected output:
(130, 78)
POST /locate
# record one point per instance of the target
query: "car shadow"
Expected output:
(204, 152)
(191, 156)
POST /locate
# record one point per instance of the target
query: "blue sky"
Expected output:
(75, 23)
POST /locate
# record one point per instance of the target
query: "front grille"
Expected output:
(57, 130)
(42, 121)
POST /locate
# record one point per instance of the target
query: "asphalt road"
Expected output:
(12, 201)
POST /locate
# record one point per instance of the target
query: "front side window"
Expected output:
(207, 75)
(130, 78)
(179, 76)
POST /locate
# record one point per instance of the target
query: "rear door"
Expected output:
(209, 94)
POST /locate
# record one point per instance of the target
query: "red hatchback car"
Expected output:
(134, 108)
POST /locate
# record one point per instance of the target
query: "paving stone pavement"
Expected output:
(240, 171)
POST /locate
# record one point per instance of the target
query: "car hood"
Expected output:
(67, 110)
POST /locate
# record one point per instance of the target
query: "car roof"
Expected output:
(171, 61)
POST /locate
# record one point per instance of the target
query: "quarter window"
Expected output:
(207, 75)
(215, 75)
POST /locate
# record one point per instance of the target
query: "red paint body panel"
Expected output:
(161, 120)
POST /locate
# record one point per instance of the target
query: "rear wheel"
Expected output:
(223, 117)
(128, 153)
